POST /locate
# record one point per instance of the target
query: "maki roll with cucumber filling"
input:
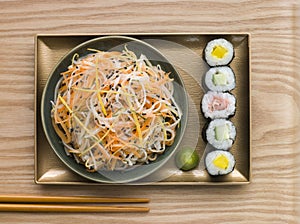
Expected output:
(218, 52)
(221, 133)
(219, 162)
(220, 79)
(218, 105)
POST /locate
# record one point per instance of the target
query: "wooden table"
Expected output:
(272, 196)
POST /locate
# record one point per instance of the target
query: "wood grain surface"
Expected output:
(272, 197)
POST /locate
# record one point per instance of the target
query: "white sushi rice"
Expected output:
(215, 61)
(229, 79)
(224, 144)
(214, 170)
(218, 105)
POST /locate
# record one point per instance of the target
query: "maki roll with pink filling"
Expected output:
(218, 105)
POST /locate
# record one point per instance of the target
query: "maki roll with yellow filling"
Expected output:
(218, 105)
(218, 52)
(219, 162)
(220, 79)
(221, 133)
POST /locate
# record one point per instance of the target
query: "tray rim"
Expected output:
(161, 183)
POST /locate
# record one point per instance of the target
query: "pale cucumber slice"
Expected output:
(221, 132)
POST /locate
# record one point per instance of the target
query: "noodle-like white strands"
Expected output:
(123, 115)
(56, 88)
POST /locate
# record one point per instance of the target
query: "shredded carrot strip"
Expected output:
(114, 110)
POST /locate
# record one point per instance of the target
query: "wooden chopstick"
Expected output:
(31, 203)
(4, 207)
(67, 199)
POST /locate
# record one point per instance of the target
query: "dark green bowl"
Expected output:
(109, 43)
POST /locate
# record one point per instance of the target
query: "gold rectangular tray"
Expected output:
(184, 51)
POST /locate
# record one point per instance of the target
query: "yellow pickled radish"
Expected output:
(219, 51)
(221, 162)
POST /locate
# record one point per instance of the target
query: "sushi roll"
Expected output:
(218, 52)
(219, 162)
(221, 133)
(220, 79)
(218, 105)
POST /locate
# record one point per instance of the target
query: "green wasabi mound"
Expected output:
(187, 159)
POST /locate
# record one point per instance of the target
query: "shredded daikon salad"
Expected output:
(113, 110)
